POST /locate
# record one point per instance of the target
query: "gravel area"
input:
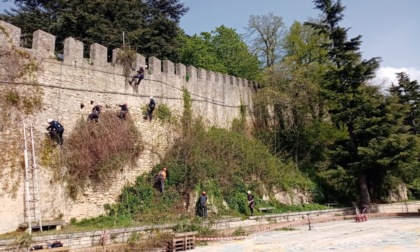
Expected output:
(396, 234)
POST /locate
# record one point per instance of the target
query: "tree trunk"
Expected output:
(363, 188)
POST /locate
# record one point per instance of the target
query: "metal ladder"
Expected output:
(32, 199)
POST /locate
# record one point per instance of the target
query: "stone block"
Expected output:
(155, 65)
(180, 69)
(192, 73)
(44, 43)
(200, 73)
(168, 67)
(210, 76)
(115, 53)
(98, 54)
(140, 61)
(9, 34)
(73, 51)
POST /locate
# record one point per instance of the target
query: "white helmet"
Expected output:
(49, 120)
(249, 192)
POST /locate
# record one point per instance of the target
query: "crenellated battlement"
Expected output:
(72, 85)
(43, 45)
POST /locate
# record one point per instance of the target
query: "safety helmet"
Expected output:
(49, 120)
(249, 192)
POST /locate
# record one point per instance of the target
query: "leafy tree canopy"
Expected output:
(222, 50)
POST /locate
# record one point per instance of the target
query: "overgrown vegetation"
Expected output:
(16, 103)
(138, 242)
(126, 58)
(223, 163)
(93, 151)
(164, 113)
(22, 242)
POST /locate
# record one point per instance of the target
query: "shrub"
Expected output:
(239, 232)
(12, 97)
(232, 161)
(95, 150)
(163, 112)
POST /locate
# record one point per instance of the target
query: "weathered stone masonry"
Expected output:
(75, 80)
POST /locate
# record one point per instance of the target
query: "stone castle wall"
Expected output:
(68, 83)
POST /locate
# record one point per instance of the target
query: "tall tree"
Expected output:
(296, 126)
(408, 93)
(344, 83)
(162, 28)
(265, 32)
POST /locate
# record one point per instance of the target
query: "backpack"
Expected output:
(159, 177)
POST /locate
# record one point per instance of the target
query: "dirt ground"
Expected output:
(397, 234)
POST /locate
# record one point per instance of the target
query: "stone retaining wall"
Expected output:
(254, 224)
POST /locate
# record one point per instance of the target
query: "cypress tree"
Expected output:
(344, 84)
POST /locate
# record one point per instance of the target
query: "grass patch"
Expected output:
(239, 232)
(196, 225)
(138, 242)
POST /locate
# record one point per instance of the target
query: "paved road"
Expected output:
(398, 234)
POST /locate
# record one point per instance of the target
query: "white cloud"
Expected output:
(385, 76)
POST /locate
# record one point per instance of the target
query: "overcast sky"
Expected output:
(390, 28)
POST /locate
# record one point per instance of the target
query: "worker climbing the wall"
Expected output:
(96, 111)
(55, 130)
(139, 76)
(124, 110)
(150, 108)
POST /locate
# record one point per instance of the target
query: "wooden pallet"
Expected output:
(183, 242)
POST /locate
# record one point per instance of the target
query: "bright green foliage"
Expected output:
(163, 112)
(303, 45)
(222, 50)
(197, 51)
(234, 53)
(290, 113)
(239, 124)
(202, 158)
